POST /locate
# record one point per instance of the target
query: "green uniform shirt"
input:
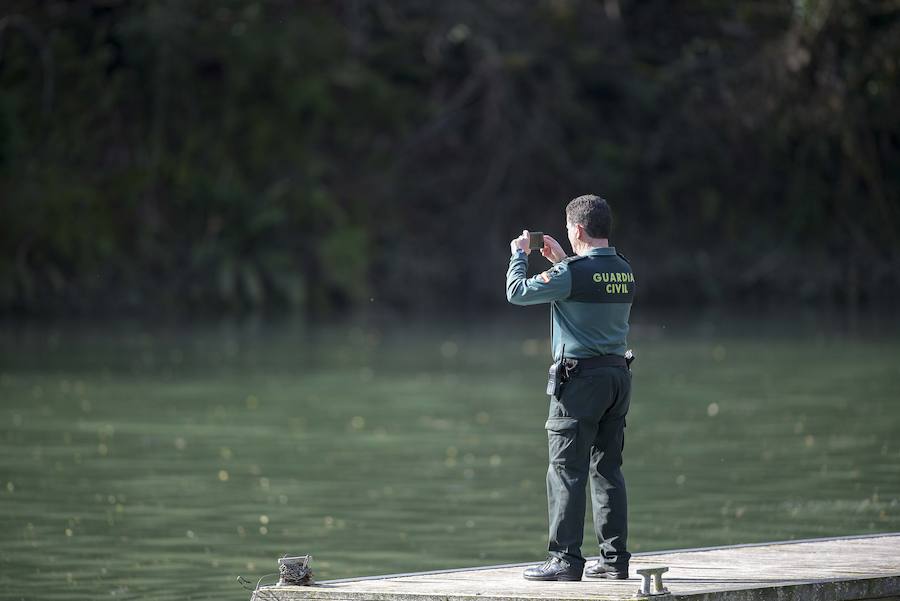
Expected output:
(590, 300)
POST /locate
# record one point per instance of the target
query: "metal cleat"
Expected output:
(657, 588)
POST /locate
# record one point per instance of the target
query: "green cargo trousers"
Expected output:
(586, 435)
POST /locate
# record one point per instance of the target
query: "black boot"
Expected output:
(601, 570)
(553, 569)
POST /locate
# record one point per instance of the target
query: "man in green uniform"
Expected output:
(590, 297)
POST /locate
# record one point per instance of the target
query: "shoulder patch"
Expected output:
(551, 273)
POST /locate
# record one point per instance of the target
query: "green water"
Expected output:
(160, 463)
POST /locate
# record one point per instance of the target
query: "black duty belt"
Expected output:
(599, 361)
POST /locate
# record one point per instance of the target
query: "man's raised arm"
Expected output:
(553, 284)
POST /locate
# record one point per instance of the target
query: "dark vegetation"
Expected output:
(222, 156)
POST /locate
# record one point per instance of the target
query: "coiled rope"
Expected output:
(295, 573)
(292, 571)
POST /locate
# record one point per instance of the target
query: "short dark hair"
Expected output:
(591, 212)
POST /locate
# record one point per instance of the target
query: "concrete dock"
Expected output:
(833, 569)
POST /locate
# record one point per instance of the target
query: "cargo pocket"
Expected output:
(562, 433)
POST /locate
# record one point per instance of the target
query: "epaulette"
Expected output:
(573, 258)
(621, 256)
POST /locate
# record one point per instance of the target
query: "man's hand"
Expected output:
(552, 250)
(520, 243)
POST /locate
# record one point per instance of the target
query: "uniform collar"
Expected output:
(601, 251)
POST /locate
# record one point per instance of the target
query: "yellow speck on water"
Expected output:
(180, 443)
(263, 530)
(358, 422)
(531, 347)
(329, 521)
(263, 519)
(223, 475)
(252, 402)
(10, 487)
(264, 483)
(809, 440)
(482, 417)
(102, 449)
(225, 453)
(739, 512)
(450, 462)
(712, 409)
(680, 479)
(452, 451)
(251, 565)
(496, 460)
(120, 508)
(189, 534)
(449, 349)
(68, 532)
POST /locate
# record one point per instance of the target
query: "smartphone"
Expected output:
(535, 240)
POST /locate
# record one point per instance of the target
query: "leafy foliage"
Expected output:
(246, 156)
